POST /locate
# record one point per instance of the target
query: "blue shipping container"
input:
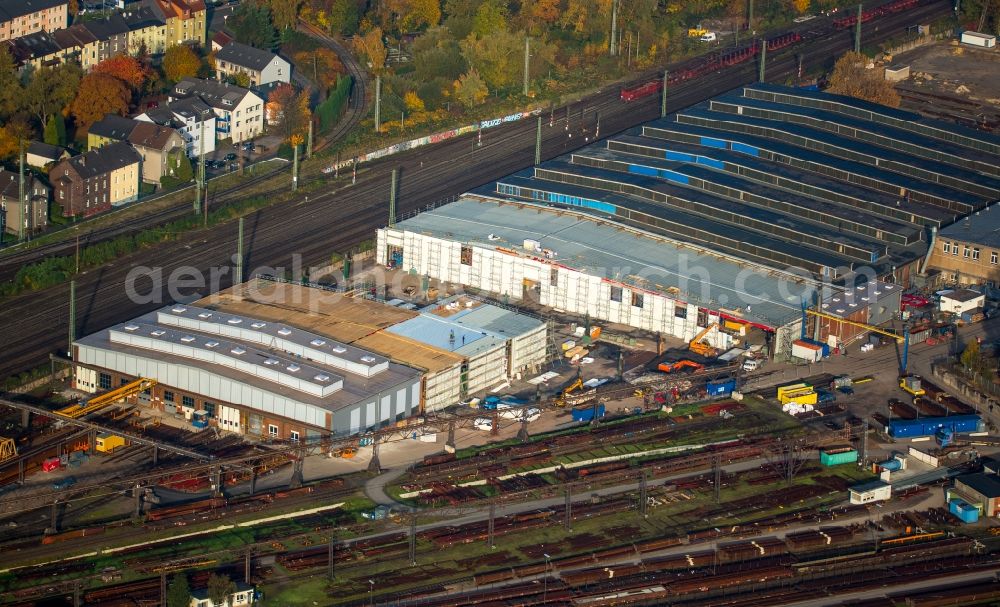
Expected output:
(892, 465)
(720, 388)
(928, 426)
(586, 414)
(965, 511)
(823, 345)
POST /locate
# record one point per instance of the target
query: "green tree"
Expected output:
(470, 89)
(284, 13)
(491, 17)
(437, 55)
(852, 77)
(220, 588)
(51, 130)
(343, 16)
(972, 358)
(240, 79)
(180, 166)
(10, 85)
(178, 591)
(180, 62)
(252, 24)
(459, 15)
(496, 57)
(51, 90)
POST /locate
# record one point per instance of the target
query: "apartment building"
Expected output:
(190, 118)
(97, 180)
(22, 17)
(239, 112)
(968, 251)
(261, 67)
(12, 208)
(186, 20)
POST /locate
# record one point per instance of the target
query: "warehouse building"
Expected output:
(462, 345)
(981, 490)
(739, 209)
(248, 375)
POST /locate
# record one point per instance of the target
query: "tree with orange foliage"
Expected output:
(546, 11)
(99, 94)
(289, 111)
(180, 62)
(322, 65)
(371, 46)
(800, 6)
(125, 68)
(852, 77)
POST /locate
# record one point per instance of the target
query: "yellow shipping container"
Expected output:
(106, 443)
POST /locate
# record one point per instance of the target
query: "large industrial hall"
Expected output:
(747, 208)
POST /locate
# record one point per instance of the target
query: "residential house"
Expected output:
(97, 180)
(41, 155)
(145, 30)
(261, 67)
(239, 112)
(220, 40)
(109, 129)
(190, 118)
(156, 144)
(37, 50)
(77, 43)
(968, 251)
(242, 597)
(22, 17)
(37, 193)
(186, 20)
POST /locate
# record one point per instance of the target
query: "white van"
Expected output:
(752, 364)
(709, 37)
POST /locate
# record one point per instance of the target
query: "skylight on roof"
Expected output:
(187, 339)
(368, 359)
(211, 344)
(235, 321)
(339, 349)
(205, 315)
(317, 342)
(158, 332)
(258, 325)
(131, 327)
(271, 361)
(238, 351)
(178, 309)
(294, 368)
(321, 377)
(284, 331)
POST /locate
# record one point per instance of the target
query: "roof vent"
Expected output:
(158, 332)
(131, 327)
(235, 321)
(284, 331)
(205, 315)
(211, 344)
(178, 309)
(321, 377)
(318, 342)
(368, 359)
(339, 349)
(258, 325)
(294, 368)
(187, 339)
(238, 351)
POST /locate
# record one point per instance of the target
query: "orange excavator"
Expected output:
(680, 365)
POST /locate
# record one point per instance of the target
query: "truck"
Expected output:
(586, 414)
(911, 384)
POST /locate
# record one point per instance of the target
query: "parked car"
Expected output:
(230, 157)
(64, 483)
(822, 396)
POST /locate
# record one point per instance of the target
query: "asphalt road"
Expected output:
(306, 232)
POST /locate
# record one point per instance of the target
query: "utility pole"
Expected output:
(72, 318)
(538, 142)
(857, 31)
(378, 102)
(663, 97)
(296, 141)
(643, 495)
(200, 181)
(21, 231)
(331, 559)
(763, 59)
(527, 64)
(614, 28)
(238, 278)
(717, 468)
(490, 536)
(309, 140)
(392, 198)
(569, 509)
(413, 538)
(749, 14)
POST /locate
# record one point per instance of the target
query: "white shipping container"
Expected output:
(978, 39)
(807, 352)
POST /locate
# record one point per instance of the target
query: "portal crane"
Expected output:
(904, 338)
(99, 402)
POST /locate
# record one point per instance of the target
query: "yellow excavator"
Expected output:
(576, 385)
(703, 349)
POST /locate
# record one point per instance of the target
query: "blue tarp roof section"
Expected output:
(695, 222)
(852, 145)
(959, 153)
(670, 188)
(882, 110)
(927, 211)
(982, 227)
(865, 170)
(436, 331)
(601, 248)
(710, 175)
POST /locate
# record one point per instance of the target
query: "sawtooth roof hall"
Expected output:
(749, 184)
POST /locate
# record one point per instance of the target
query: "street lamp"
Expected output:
(371, 587)
(545, 580)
